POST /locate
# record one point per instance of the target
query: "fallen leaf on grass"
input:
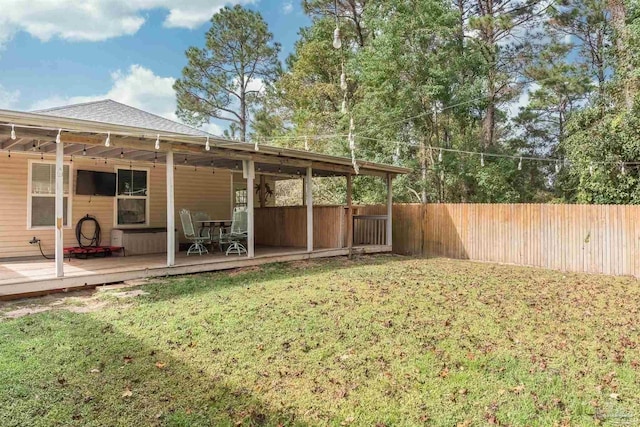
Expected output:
(160, 365)
(95, 371)
(127, 392)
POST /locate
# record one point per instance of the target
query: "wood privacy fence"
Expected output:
(287, 226)
(581, 238)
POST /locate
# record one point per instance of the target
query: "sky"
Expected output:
(59, 52)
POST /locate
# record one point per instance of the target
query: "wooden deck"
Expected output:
(23, 277)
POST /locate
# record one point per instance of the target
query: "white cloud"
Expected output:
(8, 99)
(96, 20)
(287, 7)
(138, 87)
(514, 107)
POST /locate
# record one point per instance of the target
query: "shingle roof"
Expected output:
(112, 112)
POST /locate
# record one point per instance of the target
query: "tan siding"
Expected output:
(196, 190)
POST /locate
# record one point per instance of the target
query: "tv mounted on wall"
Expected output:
(93, 183)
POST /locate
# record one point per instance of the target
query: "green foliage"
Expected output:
(216, 83)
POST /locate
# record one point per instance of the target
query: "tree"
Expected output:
(219, 79)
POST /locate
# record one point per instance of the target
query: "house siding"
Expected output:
(196, 190)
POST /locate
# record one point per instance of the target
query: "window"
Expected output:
(132, 197)
(241, 197)
(42, 195)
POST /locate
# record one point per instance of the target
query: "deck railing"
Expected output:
(369, 230)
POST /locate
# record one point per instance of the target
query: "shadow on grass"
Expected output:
(194, 284)
(82, 371)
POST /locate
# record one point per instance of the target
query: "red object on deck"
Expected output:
(88, 251)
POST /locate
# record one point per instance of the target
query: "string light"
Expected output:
(520, 164)
(121, 153)
(255, 145)
(84, 150)
(107, 142)
(623, 170)
(13, 132)
(41, 155)
(440, 156)
(58, 136)
(482, 159)
(343, 109)
(207, 145)
(157, 146)
(343, 80)
(557, 166)
(71, 158)
(591, 169)
(337, 42)
(185, 160)
(306, 143)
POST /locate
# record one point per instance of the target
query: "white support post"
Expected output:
(309, 201)
(250, 175)
(171, 212)
(59, 208)
(389, 209)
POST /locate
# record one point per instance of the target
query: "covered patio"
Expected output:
(273, 233)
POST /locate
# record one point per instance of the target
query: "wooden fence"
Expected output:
(581, 238)
(286, 226)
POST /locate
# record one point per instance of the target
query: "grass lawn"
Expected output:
(380, 341)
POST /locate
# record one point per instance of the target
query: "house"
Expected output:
(160, 167)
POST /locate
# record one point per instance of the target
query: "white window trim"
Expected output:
(147, 199)
(29, 196)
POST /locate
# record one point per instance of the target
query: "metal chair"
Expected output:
(198, 241)
(198, 218)
(236, 234)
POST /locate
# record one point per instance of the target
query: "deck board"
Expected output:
(18, 277)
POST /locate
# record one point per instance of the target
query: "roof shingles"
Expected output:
(112, 112)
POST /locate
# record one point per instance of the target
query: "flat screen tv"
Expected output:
(92, 183)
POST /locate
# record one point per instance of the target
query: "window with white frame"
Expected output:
(42, 194)
(132, 198)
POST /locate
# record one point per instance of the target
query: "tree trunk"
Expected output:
(624, 63)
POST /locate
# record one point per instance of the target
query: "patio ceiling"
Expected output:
(36, 133)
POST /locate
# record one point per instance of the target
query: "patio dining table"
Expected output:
(212, 224)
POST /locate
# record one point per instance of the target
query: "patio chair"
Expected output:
(198, 217)
(236, 234)
(197, 241)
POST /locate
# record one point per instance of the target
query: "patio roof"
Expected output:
(36, 132)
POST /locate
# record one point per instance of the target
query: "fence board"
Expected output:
(581, 238)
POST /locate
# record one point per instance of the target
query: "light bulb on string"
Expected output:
(557, 166)
(623, 169)
(482, 159)
(591, 169)
(255, 145)
(58, 136)
(84, 150)
(107, 142)
(343, 81)
(337, 42)
(343, 109)
(520, 164)
(207, 145)
(440, 156)
(13, 132)
(306, 143)
(157, 146)
(122, 153)
(185, 160)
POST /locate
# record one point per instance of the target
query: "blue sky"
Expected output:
(55, 52)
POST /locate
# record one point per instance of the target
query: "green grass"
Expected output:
(377, 341)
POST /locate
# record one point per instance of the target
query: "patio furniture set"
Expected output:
(229, 238)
